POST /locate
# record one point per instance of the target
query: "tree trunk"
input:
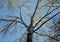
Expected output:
(29, 37)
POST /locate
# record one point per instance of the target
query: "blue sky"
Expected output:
(11, 36)
(4, 11)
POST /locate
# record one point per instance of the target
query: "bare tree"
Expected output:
(31, 28)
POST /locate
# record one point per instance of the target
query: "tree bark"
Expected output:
(29, 37)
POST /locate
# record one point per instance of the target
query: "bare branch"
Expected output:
(7, 27)
(48, 3)
(31, 23)
(46, 21)
(23, 36)
(11, 21)
(22, 18)
(46, 36)
(45, 16)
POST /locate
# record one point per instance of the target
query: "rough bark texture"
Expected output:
(29, 37)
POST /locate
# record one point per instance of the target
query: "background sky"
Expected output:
(12, 36)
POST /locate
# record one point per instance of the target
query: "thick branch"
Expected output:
(44, 16)
(34, 13)
(46, 21)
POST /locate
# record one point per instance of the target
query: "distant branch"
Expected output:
(10, 20)
(48, 3)
(23, 36)
(7, 27)
(46, 36)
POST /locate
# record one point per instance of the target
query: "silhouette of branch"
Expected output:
(31, 23)
(22, 18)
(46, 21)
(44, 17)
(7, 27)
(46, 36)
(23, 36)
(11, 21)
